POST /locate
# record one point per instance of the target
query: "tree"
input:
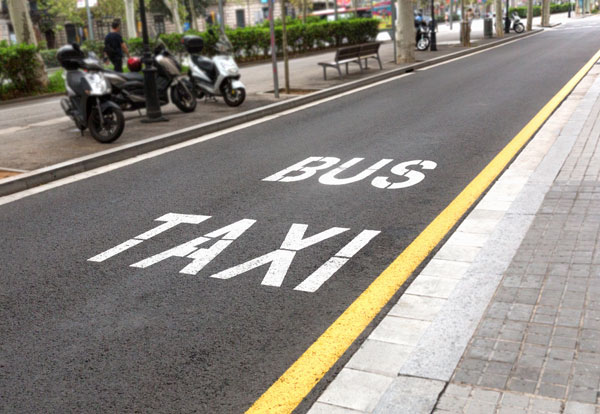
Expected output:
(284, 46)
(545, 13)
(529, 15)
(405, 32)
(130, 17)
(173, 6)
(499, 23)
(23, 27)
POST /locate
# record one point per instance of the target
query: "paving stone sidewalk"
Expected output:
(537, 348)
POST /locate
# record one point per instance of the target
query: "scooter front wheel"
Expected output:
(233, 96)
(519, 28)
(183, 96)
(110, 127)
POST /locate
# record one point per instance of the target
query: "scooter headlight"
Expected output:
(98, 84)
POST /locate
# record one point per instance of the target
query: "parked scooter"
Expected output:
(516, 24)
(128, 88)
(422, 35)
(88, 102)
(219, 76)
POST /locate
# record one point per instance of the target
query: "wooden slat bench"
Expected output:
(343, 55)
(353, 54)
(370, 51)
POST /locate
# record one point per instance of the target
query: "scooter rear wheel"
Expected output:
(111, 127)
(184, 97)
(423, 43)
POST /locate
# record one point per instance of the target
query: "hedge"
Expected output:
(253, 43)
(537, 10)
(18, 68)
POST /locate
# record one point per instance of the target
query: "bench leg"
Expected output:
(379, 61)
(346, 68)
(366, 63)
(340, 72)
(324, 73)
(360, 65)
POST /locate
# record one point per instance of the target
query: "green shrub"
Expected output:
(96, 46)
(537, 10)
(49, 58)
(56, 83)
(18, 67)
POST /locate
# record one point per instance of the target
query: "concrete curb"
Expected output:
(57, 171)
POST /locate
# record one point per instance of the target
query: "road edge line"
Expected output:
(300, 378)
(67, 168)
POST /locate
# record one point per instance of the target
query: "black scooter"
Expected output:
(88, 102)
(422, 35)
(128, 88)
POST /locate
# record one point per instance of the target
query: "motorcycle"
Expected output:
(219, 76)
(88, 102)
(516, 24)
(128, 88)
(422, 35)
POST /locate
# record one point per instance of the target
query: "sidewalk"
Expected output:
(505, 318)
(537, 347)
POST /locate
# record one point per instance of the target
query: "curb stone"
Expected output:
(61, 170)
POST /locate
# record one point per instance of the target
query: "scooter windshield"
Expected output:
(223, 45)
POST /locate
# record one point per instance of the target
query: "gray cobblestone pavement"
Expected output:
(537, 348)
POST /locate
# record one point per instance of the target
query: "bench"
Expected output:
(353, 54)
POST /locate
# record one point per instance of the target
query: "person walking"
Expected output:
(114, 46)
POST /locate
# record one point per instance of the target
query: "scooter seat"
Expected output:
(134, 76)
(206, 65)
(130, 76)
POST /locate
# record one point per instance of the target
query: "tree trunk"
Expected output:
(173, 6)
(284, 46)
(499, 21)
(545, 13)
(405, 32)
(304, 10)
(130, 18)
(21, 21)
(193, 17)
(465, 27)
(529, 15)
(23, 27)
(249, 13)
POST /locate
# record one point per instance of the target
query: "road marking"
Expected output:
(299, 379)
(279, 260)
(306, 169)
(170, 220)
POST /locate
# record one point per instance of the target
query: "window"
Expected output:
(102, 28)
(240, 19)
(265, 11)
(159, 25)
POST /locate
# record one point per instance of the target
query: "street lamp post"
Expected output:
(432, 41)
(153, 113)
(507, 19)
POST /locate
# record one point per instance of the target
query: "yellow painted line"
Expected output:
(299, 379)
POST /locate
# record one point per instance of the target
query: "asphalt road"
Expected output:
(89, 336)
